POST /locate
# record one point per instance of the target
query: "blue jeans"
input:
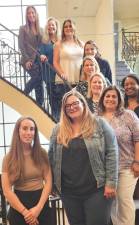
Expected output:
(36, 82)
(92, 210)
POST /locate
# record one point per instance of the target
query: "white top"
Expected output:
(71, 57)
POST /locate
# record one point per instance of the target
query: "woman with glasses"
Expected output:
(83, 157)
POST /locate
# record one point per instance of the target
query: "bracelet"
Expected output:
(136, 161)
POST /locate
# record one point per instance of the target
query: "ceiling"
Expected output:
(85, 8)
(126, 9)
(73, 8)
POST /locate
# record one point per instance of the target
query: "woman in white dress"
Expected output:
(68, 54)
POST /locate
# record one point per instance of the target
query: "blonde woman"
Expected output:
(50, 37)
(96, 86)
(26, 176)
(89, 67)
(68, 54)
(83, 156)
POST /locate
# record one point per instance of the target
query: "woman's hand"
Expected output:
(135, 169)
(43, 58)
(109, 192)
(30, 217)
(28, 65)
(64, 76)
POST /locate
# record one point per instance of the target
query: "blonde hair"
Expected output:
(77, 41)
(89, 95)
(37, 25)
(91, 58)
(87, 124)
(15, 156)
(46, 37)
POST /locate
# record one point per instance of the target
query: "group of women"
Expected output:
(94, 149)
(64, 53)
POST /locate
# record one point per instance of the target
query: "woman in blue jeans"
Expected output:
(83, 156)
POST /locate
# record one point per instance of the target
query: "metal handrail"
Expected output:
(130, 51)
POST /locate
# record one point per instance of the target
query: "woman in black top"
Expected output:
(90, 48)
(131, 87)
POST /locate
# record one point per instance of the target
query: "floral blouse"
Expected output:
(126, 126)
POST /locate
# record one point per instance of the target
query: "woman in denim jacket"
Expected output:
(83, 156)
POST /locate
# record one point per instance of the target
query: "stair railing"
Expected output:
(11, 69)
(130, 47)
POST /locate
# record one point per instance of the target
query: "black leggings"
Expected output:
(29, 199)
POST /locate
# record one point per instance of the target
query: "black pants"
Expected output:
(36, 82)
(92, 210)
(29, 199)
(59, 91)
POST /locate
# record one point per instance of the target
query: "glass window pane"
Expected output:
(8, 133)
(15, 13)
(9, 111)
(1, 136)
(9, 2)
(33, 2)
(1, 119)
(2, 153)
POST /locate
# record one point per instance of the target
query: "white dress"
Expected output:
(71, 57)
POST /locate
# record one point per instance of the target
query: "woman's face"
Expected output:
(97, 85)
(131, 87)
(51, 27)
(74, 107)
(68, 29)
(89, 67)
(90, 49)
(31, 15)
(110, 100)
(27, 131)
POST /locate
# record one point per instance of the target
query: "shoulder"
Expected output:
(103, 124)
(102, 61)
(130, 115)
(22, 28)
(5, 162)
(57, 44)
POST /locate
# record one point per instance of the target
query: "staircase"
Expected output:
(122, 69)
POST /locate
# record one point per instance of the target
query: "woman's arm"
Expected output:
(35, 211)
(111, 155)
(135, 165)
(56, 61)
(10, 195)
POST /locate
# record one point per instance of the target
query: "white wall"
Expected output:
(105, 32)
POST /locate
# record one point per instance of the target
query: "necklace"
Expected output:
(109, 117)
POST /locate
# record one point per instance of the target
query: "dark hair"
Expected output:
(120, 106)
(15, 157)
(91, 42)
(136, 79)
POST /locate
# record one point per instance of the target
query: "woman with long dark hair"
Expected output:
(30, 38)
(26, 176)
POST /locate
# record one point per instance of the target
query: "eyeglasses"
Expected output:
(73, 105)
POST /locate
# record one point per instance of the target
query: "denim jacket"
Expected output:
(103, 155)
